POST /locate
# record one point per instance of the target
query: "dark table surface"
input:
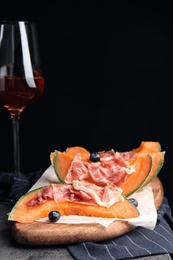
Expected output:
(10, 249)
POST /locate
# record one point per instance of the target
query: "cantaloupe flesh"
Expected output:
(144, 147)
(142, 164)
(78, 150)
(27, 214)
(148, 147)
(157, 163)
(61, 164)
(72, 151)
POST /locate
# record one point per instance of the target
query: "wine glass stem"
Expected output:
(15, 121)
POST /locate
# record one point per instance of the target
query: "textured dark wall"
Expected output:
(108, 68)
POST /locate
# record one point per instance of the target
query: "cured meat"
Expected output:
(112, 168)
(80, 191)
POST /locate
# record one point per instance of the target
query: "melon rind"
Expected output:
(19, 211)
(157, 164)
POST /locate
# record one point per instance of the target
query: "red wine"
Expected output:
(17, 93)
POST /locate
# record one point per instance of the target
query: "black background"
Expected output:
(108, 68)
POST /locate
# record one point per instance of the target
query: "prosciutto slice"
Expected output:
(112, 168)
(81, 192)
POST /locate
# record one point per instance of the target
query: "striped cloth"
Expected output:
(137, 243)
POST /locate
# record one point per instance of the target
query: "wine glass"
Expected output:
(21, 80)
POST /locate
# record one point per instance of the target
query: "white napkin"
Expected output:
(146, 206)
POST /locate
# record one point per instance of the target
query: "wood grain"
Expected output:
(39, 233)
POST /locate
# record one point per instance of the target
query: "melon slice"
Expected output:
(23, 213)
(148, 147)
(73, 151)
(157, 164)
(78, 150)
(142, 164)
(62, 162)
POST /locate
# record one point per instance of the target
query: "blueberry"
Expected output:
(133, 201)
(95, 157)
(54, 216)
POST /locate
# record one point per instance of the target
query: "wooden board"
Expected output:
(39, 233)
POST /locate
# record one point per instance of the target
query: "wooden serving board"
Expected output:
(39, 233)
